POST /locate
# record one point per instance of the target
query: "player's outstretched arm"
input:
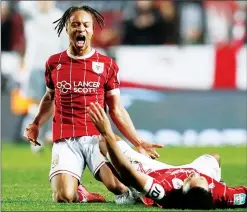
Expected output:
(120, 162)
(124, 123)
(46, 108)
(230, 197)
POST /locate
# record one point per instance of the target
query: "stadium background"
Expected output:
(183, 76)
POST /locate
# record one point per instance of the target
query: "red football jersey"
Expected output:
(170, 179)
(78, 81)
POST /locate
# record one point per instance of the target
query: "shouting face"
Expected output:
(80, 30)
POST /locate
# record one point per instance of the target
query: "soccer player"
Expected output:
(74, 78)
(168, 187)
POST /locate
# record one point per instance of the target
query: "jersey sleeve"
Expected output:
(229, 197)
(48, 78)
(113, 82)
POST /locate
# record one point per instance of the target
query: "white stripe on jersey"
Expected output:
(70, 74)
(166, 182)
(112, 92)
(115, 75)
(98, 77)
(108, 70)
(85, 106)
(225, 191)
(61, 115)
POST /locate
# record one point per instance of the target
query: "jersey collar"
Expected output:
(89, 54)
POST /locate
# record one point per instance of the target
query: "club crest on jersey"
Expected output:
(98, 67)
(239, 199)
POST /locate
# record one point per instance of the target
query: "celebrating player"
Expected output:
(168, 187)
(74, 78)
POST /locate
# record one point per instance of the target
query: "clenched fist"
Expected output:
(32, 133)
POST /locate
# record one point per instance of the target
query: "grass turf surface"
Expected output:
(25, 184)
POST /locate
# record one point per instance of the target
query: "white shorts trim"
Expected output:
(64, 172)
(98, 168)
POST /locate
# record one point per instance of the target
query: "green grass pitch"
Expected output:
(25, 184)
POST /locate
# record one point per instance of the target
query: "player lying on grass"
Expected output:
(167, 187)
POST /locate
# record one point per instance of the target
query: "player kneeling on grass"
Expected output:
(74, 78)
(168, 187)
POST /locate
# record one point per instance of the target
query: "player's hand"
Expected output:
(32, 133)
(99, 118)
(148, 149)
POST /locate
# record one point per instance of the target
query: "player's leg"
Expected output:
(64, 188)
(111, 182)
(123, 166)
(65, 174)
(95, 161)
(98, 166)
(217, 157)
(66, 168)
(218, 170)
(208, 164)
(131, 195)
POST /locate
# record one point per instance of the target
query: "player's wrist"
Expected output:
(139, 148)
(138, 144)
(108, 136)
(35, 123)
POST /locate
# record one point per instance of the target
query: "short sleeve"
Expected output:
(113, 82)
(48, 78)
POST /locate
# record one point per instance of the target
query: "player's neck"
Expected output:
(81, 52)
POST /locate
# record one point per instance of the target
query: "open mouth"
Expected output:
(80, 40)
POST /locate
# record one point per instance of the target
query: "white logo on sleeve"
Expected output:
(98, 67)
(157, 192)
(118, 78)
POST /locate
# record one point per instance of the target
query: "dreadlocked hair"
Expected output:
(61, 22)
